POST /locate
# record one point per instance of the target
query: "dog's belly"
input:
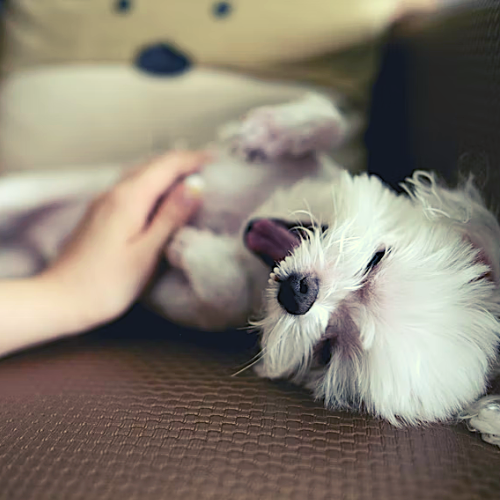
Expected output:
(234, 189)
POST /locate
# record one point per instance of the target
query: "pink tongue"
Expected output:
(269, 238)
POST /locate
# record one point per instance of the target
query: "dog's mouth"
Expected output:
(274, 239)
(271, 240)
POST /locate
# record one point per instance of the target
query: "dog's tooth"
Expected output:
(273, 279)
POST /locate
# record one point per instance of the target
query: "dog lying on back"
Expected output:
(376, 301)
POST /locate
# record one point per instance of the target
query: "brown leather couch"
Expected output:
(145, 410)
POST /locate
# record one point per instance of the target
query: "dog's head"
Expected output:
(380, 301)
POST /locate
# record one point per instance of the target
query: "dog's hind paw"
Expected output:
(288, 130)
(484, 417)
(176, 251)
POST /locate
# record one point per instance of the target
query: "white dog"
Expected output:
(382, 302)
(379, 302)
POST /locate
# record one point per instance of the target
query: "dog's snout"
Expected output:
(298, 293)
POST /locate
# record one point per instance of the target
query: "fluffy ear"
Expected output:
(464, 208)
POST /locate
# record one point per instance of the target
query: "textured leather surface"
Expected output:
(143, 411)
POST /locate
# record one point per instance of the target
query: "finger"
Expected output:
(133, 168)
(154, 179)
(175, 212)
(139, 196)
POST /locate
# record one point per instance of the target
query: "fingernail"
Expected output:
(194, 186)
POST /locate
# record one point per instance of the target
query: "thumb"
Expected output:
(181, 204)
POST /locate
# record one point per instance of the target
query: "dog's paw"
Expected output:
(259, 137)
(485, 419)
(177, 250)
(289, 130)
(211, 265)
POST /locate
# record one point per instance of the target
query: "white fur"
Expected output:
(428, 326)
(416, 337)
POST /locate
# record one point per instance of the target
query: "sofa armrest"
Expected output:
(436, 105)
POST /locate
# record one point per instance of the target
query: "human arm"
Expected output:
(107, 261)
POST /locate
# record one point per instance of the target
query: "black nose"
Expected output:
(162, 59)
(297, 293)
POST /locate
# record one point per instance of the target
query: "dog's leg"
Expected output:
(38, 210)
(215, 284)
(295, 129)
(173, 297)
(484, 417)
(19, 261)
(27, 191)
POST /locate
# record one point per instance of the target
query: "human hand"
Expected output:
(112, 254)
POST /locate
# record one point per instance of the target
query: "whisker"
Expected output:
(245, 368)
(248, 328)
(254, 360)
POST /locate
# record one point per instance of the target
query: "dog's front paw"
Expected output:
(212, 266)
(289, 130)
(176, 252)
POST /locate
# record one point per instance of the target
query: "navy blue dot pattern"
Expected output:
(123, 6)
(162, 60)
(222, 9)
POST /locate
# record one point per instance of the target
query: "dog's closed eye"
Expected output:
(323, 351)
(375, 260)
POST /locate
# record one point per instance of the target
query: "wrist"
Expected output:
(75, 312)
(40, 309)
